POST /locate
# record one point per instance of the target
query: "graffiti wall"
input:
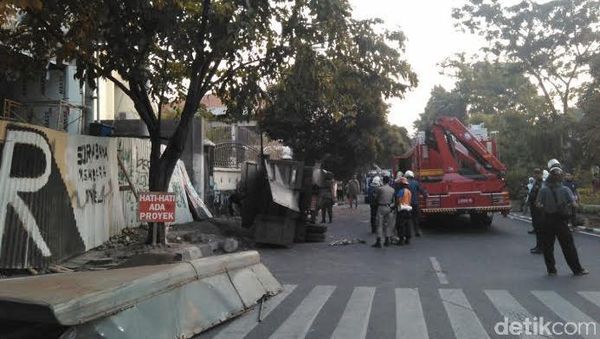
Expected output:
(61, 194)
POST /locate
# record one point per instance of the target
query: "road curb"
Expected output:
(579, 228)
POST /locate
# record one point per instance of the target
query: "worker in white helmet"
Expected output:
(553, 163)
(555, 200)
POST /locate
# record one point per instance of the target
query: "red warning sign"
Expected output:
(157, 207)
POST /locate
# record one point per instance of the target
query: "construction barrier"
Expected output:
(60, 194)
(162, 301)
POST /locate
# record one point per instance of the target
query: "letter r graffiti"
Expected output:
(12, 185)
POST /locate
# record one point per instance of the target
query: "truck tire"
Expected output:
(482, 219)
(316, 229)
(315, 237)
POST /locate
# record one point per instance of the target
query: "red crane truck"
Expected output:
(460, 171)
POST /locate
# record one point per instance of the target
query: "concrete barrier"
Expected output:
(163, 301)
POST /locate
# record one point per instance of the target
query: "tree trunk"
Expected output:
(161, 170)
(158, 182)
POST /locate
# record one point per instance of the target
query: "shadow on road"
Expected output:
(457, 225)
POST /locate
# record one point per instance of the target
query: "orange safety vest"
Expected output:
(406, 198)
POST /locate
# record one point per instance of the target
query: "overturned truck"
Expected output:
(277, 198)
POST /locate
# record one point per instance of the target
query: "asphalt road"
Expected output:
(456, 281)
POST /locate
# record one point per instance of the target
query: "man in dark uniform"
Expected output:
(535, 211)
(554, 201)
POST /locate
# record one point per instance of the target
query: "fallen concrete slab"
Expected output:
(163, 301)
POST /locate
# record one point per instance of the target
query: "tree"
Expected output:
(501, 96)
(590, 105)
(330, 103)
(553, 42)
(392, 140)
(170, 50)
(442, 103)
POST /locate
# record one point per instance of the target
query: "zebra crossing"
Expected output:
(411, 318)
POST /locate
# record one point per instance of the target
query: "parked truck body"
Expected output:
(460, 170)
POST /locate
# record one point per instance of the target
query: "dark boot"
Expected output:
(401, 241)
(387, 242)
(377, 243)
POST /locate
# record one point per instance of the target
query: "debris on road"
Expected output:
(344, 242)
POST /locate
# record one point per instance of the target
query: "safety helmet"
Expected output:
(553, 163)
(376, 180)
(409, 174)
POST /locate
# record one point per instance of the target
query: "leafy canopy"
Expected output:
(329, 104)
(552, 41)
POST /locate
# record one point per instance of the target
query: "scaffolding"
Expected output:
(55, 114)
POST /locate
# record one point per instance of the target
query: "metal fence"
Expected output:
(233, 155)
(244, 135)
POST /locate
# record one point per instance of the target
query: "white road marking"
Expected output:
(463, 319)
(510, 308)
(438, 271)
(300, 321)
(239, 328)
(565, 310)
(410, 321)
(355, 320)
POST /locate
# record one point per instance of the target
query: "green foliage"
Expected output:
(178, 50)
(501, 96)
(329, 104)
(552, 42)
(590, 124)
(589, 197)
(442, 103)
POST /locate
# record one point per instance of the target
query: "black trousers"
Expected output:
(536, 220)
(373, 218)
(404, 224)
(415, 216)
(327, 209)
(555, 227)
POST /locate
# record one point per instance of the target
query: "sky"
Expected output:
(432, 38)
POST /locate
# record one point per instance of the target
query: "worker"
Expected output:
(535, 211)
(415, 189)
(326, 199)
(404, 209)
(555, 201)
(384, 195)
(376, 182)
(353, 189)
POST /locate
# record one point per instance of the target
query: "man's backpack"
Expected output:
(565, 211)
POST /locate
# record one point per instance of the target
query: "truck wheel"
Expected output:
(486, 219)
(482, 219)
